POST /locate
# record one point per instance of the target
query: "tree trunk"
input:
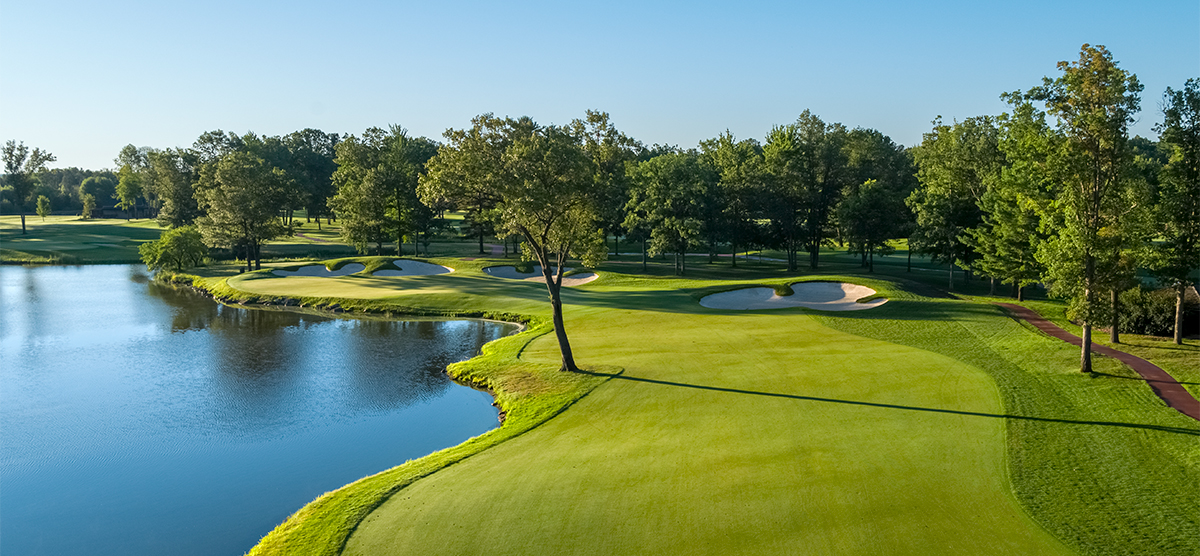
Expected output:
(481, 239)
(1085, 355)
(1114, 335)
(733, 256)
(644, 255)
(871, 261)
(560, 332)
(992, 286)
(617, 244)
(1089, 299)
(1179, 292)
(909, 260)
(22, 220)
(814, 255)
(951, 276)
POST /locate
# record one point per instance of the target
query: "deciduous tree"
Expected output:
(870, 215)
(1178, 208)
(667, 198)
(376, 181)
(20, 166)
(955, 164)
(542, 181)
(176, 249)
(609, 150)
(43, 207)
(1093, 102)
(742, 181)
(241, 195)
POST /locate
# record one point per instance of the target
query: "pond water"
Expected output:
(136, 418)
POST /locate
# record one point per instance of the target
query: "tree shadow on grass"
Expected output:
(1141, 379)
(1159, 428)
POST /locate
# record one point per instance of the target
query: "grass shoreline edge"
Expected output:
(324, 525)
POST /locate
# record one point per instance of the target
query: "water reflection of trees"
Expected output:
(277, 367)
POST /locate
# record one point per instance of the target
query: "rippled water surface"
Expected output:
(140, 419)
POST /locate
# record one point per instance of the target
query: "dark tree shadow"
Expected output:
(1159, 428)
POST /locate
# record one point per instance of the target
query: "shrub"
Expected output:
(1143, 311)
(176, 249)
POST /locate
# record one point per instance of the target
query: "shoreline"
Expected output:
(327, 522)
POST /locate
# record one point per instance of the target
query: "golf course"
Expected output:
(929, 424)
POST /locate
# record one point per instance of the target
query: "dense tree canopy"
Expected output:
(241, 195)
(955, 164)
(376, 180)
(668, 198)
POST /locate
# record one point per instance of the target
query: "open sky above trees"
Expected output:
(84, 79)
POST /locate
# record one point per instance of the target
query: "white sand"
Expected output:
(510, 273)
(413, 268)
(825, 296)
(320, 270)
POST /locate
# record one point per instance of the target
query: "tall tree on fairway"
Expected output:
(1011, 229)
(43, 207)
(1178, 207)
(1094, 102)
(312, 165)
(20, 166)
(129, 188)
(542, 181)
(807, 167)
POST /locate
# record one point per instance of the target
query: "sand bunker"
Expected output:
(825, 296)
(320, 270)
(413, 268)
(510, 273)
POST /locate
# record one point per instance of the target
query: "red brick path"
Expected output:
(1159, 380)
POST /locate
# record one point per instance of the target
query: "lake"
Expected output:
(136, 418)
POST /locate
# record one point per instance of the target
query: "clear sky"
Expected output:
(84, 78)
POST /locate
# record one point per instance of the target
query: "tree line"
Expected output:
(1053, 191)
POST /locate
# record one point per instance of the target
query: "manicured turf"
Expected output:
(925, 426)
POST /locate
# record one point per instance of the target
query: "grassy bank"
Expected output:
(928, 425)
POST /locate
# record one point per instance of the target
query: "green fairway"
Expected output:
(724, 436)
(925, 426)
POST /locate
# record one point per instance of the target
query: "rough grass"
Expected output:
(1181, 361)
(1102, 462)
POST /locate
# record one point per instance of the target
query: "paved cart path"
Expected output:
(1161, 382)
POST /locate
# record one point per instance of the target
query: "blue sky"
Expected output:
(82, 79)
